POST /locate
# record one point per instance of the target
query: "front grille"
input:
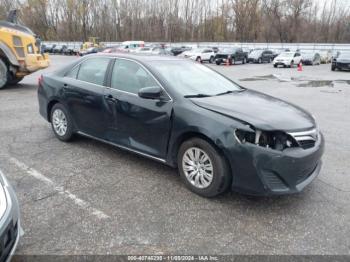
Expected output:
(306, 139)
(221, 56)
(7, 240)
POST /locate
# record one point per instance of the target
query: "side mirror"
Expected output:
(153, 92)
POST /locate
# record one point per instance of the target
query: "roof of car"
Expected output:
(141, 57)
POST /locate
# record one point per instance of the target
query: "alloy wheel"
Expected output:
(59, 121)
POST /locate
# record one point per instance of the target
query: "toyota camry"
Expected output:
(218, 134)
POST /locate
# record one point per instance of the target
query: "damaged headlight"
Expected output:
(268, 139)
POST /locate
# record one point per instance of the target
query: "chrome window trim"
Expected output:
(122, 147)
(109, 87)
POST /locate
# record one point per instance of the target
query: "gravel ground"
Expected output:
(86, 197)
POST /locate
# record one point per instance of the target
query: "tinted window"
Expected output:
(94, 70)
(130, 77)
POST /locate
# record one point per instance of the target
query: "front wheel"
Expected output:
(3, 74)
(202, 168)
(61, 123)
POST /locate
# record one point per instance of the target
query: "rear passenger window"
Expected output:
(94, 70)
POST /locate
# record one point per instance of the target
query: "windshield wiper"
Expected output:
(197, 96)
(230, 92)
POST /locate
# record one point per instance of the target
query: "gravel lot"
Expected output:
(86, 197)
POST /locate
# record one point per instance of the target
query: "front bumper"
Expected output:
(264, 172)
(10, 228)
(36, 62)
(342, 66)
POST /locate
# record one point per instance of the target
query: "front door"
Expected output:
(137, 123)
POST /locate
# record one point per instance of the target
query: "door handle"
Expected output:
(111, 98)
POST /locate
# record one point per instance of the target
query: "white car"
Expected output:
(200, 55)
(287, 59)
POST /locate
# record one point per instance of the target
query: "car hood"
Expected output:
(259, 110)
(343, 60)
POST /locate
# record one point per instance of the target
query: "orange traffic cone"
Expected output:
(300, 67)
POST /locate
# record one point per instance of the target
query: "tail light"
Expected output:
(40, 80)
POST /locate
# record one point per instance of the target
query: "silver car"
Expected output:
(10, 228)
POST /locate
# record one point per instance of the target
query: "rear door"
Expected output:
(84, 95)
(137, 123)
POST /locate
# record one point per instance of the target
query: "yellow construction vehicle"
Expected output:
(93, 42)
(20, 53)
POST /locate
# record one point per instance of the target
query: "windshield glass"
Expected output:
(287, 54)
(256, 53)
(191, 79)
(344, 55)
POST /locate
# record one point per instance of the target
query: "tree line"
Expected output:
(185, 20)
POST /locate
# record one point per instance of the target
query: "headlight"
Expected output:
(3, 201)
(273, 140)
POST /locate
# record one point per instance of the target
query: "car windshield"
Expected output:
(287, 54)
(192, 79)
(307, 55)
(345, 55)
(227, 51)
(256, 53)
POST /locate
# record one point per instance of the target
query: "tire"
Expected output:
(334, 68)
(218, 63)
(275, 66)
(15, 80)
(220, 172)
(3, 74)
(198, 59)
(67, 135)
(211, 60)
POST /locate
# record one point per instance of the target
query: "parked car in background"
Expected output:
(59, 49)
(311, 58)
(341, 62)
(326, 56)
(200, 55)
(10, 224)
(179, 50)
(261, 56)
(143, 50)
(231, 55)
(48, 48)
(161, 51)
(287, 59)
(70, 50)
(189, 117)
(91, 50)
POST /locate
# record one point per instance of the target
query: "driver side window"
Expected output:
(130, 77)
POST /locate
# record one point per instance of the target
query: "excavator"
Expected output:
(20, 53)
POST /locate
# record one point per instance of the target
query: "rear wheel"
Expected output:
(203, 169)
(211, 60)
(3, 74)
(61, 123)
(199, 60)
(218, 63)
